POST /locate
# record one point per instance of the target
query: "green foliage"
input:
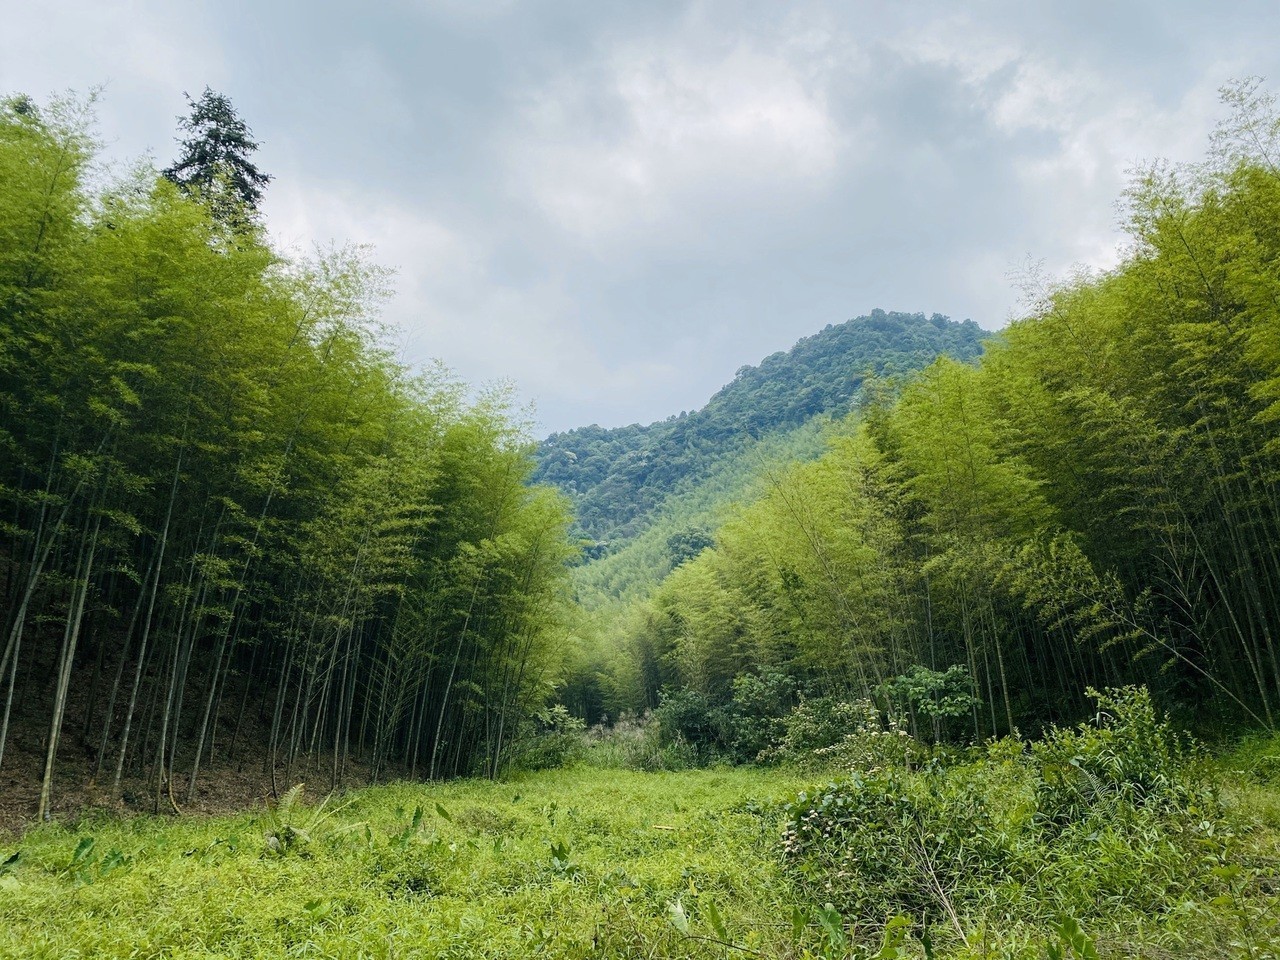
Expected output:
(290, 828)
(820, 723)
(766, 721)
(892, 842)
(1111, 825)
(556, 740)
(630, 568)
(759, 713)
(617, 478)
(561, 864)
(223, 492)
(686, 716)
(1072, 942)
(214, 165)
(942, 697)
(1256, 759)
(1095, 503)
(637, 743)
(583, 863)
(1127, 760)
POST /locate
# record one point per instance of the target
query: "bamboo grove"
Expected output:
(232, 525)
(1095, 502)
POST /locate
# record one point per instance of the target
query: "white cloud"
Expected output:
(687, 128)
(616, 206)
(1093, 130)
(452, 305)
(423, 250)
(145, 54)
(954, 40)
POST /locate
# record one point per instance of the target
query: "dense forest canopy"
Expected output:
(649, 498)
(232, 522)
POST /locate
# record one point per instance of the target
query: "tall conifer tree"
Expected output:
(214, 163)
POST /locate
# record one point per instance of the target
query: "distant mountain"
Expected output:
(619, 479)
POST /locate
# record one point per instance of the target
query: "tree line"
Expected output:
(1094, 503)
(233, 523)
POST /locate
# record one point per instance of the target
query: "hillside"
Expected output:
(685, 521)
(619, 479)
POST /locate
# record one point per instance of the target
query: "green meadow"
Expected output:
(1111, 841)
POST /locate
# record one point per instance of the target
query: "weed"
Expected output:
(291, 828)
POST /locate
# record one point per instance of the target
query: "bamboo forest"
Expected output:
(918, 639)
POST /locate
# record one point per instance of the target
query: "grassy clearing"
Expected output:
(565, 864)
(1120, 840)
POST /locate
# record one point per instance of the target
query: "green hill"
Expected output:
(685, 521)
(627, 482)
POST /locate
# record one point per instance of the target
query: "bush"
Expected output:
(939, 702)
(818, 723)
(556, 741)
(848, 735)
(758, 714)
(634, 743)
(891, 842)
(688, 717)
(1128, 759)
(1111, 821)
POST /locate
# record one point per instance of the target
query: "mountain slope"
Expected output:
(621, 479)
(686, 520)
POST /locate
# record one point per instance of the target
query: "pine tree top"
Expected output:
(214, 158)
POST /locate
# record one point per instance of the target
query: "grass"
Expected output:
(563, 864)
(1090, 843)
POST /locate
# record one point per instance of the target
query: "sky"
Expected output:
(614, 206)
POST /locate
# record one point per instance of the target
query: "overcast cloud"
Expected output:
(615, 206)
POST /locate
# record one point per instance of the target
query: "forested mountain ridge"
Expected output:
(617, 478)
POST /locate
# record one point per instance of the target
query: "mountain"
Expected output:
(624, 480)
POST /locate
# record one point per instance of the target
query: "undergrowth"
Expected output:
(1116, 838)
(556, 864)
(1109, 839)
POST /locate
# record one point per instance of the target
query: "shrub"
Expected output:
(818, 723)
(690, 717)
(758, 714)
(938, 702)
(847, 735)
(890, 842)
(555, 741)
(1111, 821)
(1128, 759)
(634, 743)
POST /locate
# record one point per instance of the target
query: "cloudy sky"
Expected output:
(616, 205)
